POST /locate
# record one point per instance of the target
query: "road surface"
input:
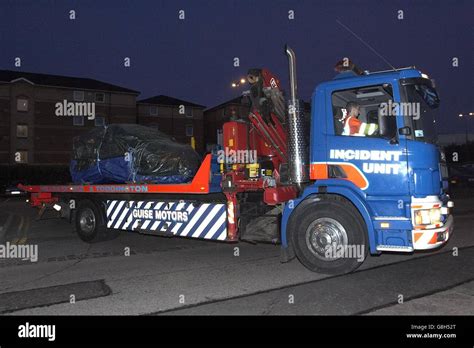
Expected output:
(138, 274)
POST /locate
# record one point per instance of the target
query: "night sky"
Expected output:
(193, 59)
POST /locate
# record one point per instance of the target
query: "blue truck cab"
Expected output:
(382, 190)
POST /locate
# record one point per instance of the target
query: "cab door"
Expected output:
(375, 163)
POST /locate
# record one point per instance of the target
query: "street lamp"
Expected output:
(467, 124)
(242, 81)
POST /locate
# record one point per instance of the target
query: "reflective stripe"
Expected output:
(207, 220)
(364, 128)
(347, 128)
(230, 212)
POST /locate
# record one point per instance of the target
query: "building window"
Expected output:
(99, 121)
(189, 111)
(100, 97)
(153, 110)
(189, 130)
(22, 131)
(21, 156)
(22, 104)
(78, 121)
(78, 95)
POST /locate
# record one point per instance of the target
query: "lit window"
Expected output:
(99, 121)
(100, 97)
(189, 130)
(22, 104)
(78, 95)
(154, 110)
(22, 131)
(21, 156)
(78, 120)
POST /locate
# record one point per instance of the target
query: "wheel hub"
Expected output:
(87, 220)
(325, 233)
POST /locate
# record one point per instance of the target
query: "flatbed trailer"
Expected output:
(197, 209)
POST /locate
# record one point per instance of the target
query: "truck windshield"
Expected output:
(421, 94)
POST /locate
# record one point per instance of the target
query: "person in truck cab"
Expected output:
(353, 126)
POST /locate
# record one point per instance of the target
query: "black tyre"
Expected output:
(90, 223)
(328, 234)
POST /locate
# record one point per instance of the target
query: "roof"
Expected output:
(350, 73)
(346, 78)
(165, 100)
(237, 100)
(454, 138)
(62, 81)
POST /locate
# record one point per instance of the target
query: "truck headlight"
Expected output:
(427, 216)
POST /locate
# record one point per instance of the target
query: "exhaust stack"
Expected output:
(297, 150)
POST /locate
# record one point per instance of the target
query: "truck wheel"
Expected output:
(90, 223)
(329, 235)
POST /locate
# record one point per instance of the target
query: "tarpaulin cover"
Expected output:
(121, 153)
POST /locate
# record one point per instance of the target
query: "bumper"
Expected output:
(433, 238)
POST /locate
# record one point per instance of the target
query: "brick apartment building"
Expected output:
(30, 131)
(215, 117)
(178, 118)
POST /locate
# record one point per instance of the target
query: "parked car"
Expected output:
(11, 189)
(461, 175)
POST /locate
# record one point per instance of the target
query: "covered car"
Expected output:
(123, 153)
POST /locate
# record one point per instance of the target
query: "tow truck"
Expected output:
(311, 189)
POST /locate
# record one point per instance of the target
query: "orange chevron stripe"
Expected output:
(433, 239)
(418, 236)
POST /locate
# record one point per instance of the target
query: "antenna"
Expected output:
(365, 43)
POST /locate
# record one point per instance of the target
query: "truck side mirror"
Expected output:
(404, 131)
(387, 126)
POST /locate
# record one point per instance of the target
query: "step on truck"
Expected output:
(327, 187)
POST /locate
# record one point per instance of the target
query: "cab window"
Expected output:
(370, 112)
